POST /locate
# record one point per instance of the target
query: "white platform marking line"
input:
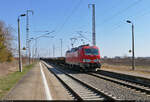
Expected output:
(47, 91)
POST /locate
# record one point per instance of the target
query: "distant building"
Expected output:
(117, 57)
(105, 57)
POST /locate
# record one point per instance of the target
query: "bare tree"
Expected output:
(6, 39)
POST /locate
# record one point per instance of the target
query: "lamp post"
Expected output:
(19, 44)
(133, 57)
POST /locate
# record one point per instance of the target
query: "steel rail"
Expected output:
(117, 76)
(76, 96)
(131, 85)
(90, 87)
(107, 97)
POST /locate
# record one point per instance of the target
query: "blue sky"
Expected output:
(66, 17)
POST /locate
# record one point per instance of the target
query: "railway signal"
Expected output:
(24, 48)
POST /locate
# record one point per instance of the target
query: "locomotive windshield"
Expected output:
(91, 51)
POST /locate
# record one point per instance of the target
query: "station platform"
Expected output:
(33, 86)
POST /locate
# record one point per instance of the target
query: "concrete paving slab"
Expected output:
(30, 87)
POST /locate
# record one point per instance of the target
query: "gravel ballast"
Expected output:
(116, 90)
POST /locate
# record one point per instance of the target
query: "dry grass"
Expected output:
(9, 67)
(144, 70)
(142, 65)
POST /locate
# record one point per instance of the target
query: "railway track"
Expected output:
(133, 84)
(138, 87)
(78, 89)
(143, 88)
(110, 88)
(127, 78)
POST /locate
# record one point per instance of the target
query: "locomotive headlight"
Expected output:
(96, 60)
(86, 60)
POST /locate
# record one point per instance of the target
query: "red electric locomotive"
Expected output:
(84, 57)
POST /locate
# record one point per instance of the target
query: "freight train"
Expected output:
(84, 57)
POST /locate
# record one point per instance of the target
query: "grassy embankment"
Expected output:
(7, 82)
